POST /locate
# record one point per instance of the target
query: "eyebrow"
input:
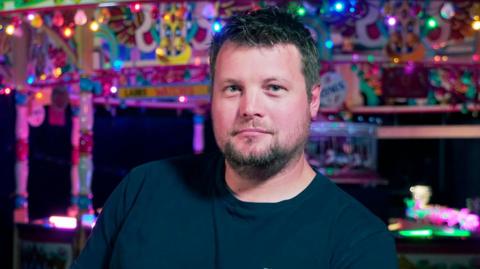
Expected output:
(230, 81)
(270, 79)
(267, 80)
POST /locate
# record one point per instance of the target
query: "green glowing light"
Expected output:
(452, 233)
(416, 233)
(432, 23)
(301, 11)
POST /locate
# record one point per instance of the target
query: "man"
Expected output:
(259, 204)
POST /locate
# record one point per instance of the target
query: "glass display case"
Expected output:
(344, 151)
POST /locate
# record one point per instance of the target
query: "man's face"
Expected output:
(260, 109)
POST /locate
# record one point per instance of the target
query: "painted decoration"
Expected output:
(401, 85)
(37, 114)
(164, 91)
(404, 38)
(333, 91)
(11, 5)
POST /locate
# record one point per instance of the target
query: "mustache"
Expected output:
(260, 130)
(251, 125)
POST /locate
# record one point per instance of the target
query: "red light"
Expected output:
(67, 32)
(136, 7)
(476, 57)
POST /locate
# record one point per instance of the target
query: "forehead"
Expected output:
(241, 61)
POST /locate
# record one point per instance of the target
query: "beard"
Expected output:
(262, 166)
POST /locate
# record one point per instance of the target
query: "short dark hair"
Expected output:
(268, 27)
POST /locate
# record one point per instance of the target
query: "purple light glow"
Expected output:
(182, 99)
(63, 222)
(391, 21)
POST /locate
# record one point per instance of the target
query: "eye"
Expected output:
(232, 90)
(275, 89)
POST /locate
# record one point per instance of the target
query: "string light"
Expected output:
(217, 26)
(329, 44)
(437, 58)
(37, 21)
(117, 65)
(447, 11)
(39, 96)
(432, 23)
(30, 16)
(30, 79)
(391, 21)
(339, 6)
(80, 17)
(167, 17)
(94, 26)
(136, 7)
(10, 29)
(160, 52)
(476, 25)
(197, 61)
(409, 68)
(58, 19)
(67, 32)
(301, 11)
(182, 99)
(57, 72)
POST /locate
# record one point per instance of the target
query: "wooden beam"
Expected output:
(429, 132)
(403, 109)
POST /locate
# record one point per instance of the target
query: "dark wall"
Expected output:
(123, 140)
(7, 162)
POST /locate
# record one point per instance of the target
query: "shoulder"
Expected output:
(166, 174)
(348, 214)
(355, 232)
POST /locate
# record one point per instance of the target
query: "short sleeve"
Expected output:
(360, 240)
(374, 251)
(97, 251)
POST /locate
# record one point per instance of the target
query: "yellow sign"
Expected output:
(166, 91)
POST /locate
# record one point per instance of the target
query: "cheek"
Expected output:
(221, 122)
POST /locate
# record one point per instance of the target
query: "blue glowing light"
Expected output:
(217, 26)
(117, 64)
(329, 44)
(339, 6)
(30, 79)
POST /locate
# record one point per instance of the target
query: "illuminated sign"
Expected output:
(162, 91)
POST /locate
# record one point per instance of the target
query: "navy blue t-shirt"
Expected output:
(179, 213)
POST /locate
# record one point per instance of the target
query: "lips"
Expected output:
(251, 131)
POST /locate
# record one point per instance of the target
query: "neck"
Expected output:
(286, 184)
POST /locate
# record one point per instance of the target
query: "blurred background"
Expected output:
(90, 89)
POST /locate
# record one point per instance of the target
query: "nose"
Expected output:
(251, 104)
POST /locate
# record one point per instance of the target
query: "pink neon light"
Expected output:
(182, 99)
(63, 222)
